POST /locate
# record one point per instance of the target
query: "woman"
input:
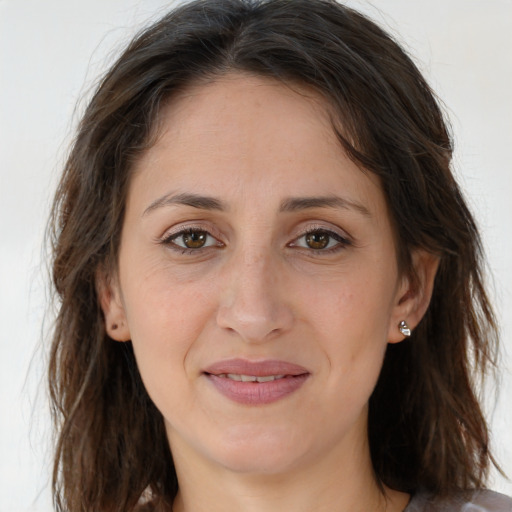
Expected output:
(271, 291)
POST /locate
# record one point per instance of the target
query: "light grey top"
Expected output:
(475, 501)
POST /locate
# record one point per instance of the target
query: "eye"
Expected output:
(320, 240)
(192, 239)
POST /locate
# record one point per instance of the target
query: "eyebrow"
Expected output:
(291, 204)
(294, 204)
(186, 199)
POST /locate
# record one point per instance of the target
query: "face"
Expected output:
(257, 279)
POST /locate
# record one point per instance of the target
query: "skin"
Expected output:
(256, 290)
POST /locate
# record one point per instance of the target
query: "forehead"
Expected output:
(246, 102)
(252, 133)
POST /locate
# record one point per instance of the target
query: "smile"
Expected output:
(256, 382)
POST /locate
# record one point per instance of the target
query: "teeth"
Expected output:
(268, 378)
(250, 378)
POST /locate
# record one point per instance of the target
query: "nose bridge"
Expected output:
(257, 266)
(253, 305)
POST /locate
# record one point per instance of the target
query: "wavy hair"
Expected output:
(426, 428)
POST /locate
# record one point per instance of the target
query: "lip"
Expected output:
(256, 393)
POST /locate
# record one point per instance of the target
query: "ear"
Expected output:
(109, 295)
(414, 294)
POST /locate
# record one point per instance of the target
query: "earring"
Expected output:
(114, 327)
(404, 328)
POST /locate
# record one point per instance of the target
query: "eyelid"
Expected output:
(184, 227)
(327, 227)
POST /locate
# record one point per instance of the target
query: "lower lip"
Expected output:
(257, 393)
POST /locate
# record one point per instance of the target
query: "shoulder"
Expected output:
(473, 501)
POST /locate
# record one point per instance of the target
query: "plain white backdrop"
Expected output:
(52, 52)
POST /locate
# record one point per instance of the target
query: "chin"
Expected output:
(258, 452)
(258, 463)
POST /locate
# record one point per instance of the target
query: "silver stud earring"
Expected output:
(404, 328)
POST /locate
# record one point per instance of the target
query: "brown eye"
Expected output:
(321, 241)
(194, 239)
(317, 240)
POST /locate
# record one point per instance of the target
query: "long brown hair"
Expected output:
(426, 428)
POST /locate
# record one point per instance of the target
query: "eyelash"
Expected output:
(343, 242)
(169, 240)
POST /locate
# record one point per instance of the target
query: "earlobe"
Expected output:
(109, 295)
(413, 297)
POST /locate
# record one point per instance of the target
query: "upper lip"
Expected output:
(256, 368)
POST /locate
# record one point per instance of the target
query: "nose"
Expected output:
(255, 304)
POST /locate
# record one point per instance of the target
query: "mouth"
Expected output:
(256, 382)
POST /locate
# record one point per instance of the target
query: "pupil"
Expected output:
(317, 240)
(194, 240)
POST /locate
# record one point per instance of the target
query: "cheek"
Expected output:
(165, 315)
(350, 318)
(165, 323)
(353, 305)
